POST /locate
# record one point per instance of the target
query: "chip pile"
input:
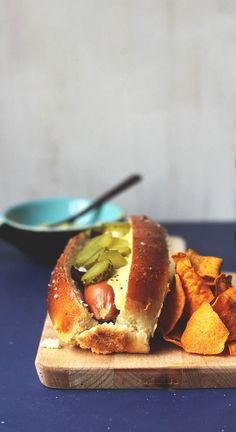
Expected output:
(199, 313)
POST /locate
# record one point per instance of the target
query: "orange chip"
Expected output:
(222, 283)
(225, 306)
(173, 307)
(205, 333)
(208, 267)
(232, 348)
(175, 335)
(173, 339)
(196, 289)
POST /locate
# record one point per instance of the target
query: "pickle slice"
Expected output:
(120, 245)
(124, 250)
(98, 272)
(94, 258)
(114, 256)
(91, 247)
(119, 227)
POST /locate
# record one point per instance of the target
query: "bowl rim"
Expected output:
(40, 228)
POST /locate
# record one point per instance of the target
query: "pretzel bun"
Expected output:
(146, 290)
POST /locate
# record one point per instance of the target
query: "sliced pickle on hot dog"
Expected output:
(98, 272)
(114, 256)
(118, 227)
(120, 245)
(124, 251)
(94, 258)
(91, 247)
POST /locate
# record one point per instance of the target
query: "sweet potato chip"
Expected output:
(205, 333)
(208, 267)
(173, 306)
(225, 306)
(172, 339)
(175, 335)
(232, 348)
(222, 283)
(196, 289)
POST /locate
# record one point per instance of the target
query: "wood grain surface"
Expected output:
(167, 366)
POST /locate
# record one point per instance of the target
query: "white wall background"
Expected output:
(92, 90)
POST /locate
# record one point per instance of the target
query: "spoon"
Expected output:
(125, 184)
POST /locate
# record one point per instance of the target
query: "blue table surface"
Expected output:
(26, 405)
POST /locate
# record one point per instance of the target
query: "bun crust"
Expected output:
(148, 278)
(137, 320)
(65, 302)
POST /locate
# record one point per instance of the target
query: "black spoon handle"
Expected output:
(125, 184)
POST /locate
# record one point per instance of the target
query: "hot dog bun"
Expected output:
(146, 291)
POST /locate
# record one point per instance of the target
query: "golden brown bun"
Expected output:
(65, 302)
(137, 320)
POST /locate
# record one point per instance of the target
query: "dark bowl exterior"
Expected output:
(44, 247)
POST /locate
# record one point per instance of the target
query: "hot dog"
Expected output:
(115, 308)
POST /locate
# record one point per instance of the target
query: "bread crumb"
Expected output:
(50, 343)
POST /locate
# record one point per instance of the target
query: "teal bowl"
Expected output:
(25, 225)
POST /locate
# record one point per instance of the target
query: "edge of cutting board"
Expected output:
(167, 366)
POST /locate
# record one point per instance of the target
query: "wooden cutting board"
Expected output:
(167, 366)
